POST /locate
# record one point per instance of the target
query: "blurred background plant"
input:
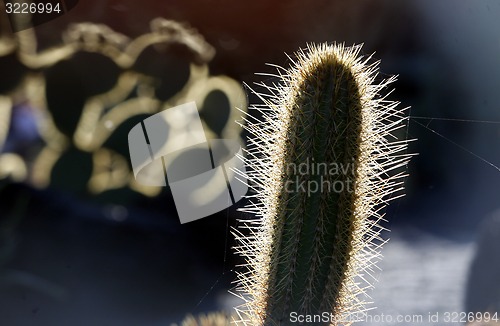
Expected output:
(121, 255)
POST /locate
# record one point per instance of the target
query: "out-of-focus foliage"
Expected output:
(85, 94)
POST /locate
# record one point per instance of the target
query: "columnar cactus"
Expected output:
(323, 160)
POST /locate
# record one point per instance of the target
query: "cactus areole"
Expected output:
(324, 160)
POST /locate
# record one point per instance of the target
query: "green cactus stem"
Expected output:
(323, 161)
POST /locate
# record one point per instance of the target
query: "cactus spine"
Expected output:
(211, 319)
(309, 252)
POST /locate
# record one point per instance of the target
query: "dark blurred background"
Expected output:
(72, 257)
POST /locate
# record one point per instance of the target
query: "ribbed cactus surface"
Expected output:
(324, 159)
